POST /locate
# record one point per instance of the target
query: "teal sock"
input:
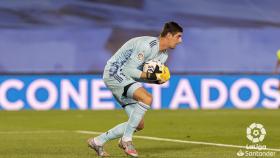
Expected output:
(115, 132)
(134, 120)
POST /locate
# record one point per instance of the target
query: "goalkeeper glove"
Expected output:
(161, 74)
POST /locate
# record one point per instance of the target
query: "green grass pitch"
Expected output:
(51, 134)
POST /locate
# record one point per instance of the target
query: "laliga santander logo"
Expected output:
(256, 132)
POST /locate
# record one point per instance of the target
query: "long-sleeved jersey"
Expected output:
(129, 59)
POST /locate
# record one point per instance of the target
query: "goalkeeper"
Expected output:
(121, 74)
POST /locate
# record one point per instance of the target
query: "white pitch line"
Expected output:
(180, 141)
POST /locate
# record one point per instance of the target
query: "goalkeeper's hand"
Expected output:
(160, 75)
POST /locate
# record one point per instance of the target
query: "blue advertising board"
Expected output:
(65, 92)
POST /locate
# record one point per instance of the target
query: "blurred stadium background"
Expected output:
(52, 54)
(79, 36)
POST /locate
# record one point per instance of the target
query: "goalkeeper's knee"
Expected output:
(140, 126)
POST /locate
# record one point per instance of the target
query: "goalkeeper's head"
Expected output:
(172, 33)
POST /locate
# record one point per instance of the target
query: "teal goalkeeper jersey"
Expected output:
(129, 59)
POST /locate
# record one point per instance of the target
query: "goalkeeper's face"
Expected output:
(175, 39)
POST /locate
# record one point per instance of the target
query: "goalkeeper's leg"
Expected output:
(118, 130)
(144, 101)
(98, 142)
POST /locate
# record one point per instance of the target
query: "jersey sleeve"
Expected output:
(137, 59)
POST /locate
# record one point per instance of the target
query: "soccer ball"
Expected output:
(152, 65)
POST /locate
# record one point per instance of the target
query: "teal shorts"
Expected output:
(122, 87)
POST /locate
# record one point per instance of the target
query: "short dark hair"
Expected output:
(171, 27)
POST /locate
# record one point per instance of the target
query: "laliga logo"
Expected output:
(256, 132)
